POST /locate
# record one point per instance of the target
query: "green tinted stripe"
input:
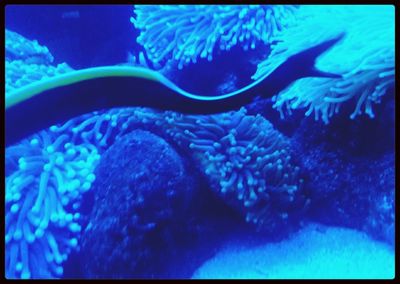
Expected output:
(36, 88)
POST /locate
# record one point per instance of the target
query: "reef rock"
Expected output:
(141, 195)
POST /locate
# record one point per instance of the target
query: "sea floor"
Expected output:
(316, 251)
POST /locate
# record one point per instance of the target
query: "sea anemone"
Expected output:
(27, 61)
(183, 33)
(46, 175)
(19, 47)
(42, 200)
(248, 163)
(364, 58)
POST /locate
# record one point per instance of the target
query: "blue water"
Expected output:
(298, 183)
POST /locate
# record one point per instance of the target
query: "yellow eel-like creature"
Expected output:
(57, 99)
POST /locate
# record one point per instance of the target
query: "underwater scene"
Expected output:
(199, 141)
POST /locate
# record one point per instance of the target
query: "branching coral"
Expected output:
(365, 58)
(42, 200)
(184, 33)
(27, 61)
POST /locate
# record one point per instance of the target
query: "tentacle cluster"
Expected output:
(43, 194)
(19, 47)
(45, 178)
(183, 33)
(27, 61)
(365, 58)
(248, 163)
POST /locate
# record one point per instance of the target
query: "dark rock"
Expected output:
(350, 172)
(142, 191)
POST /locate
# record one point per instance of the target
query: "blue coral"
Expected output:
(185, 33)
